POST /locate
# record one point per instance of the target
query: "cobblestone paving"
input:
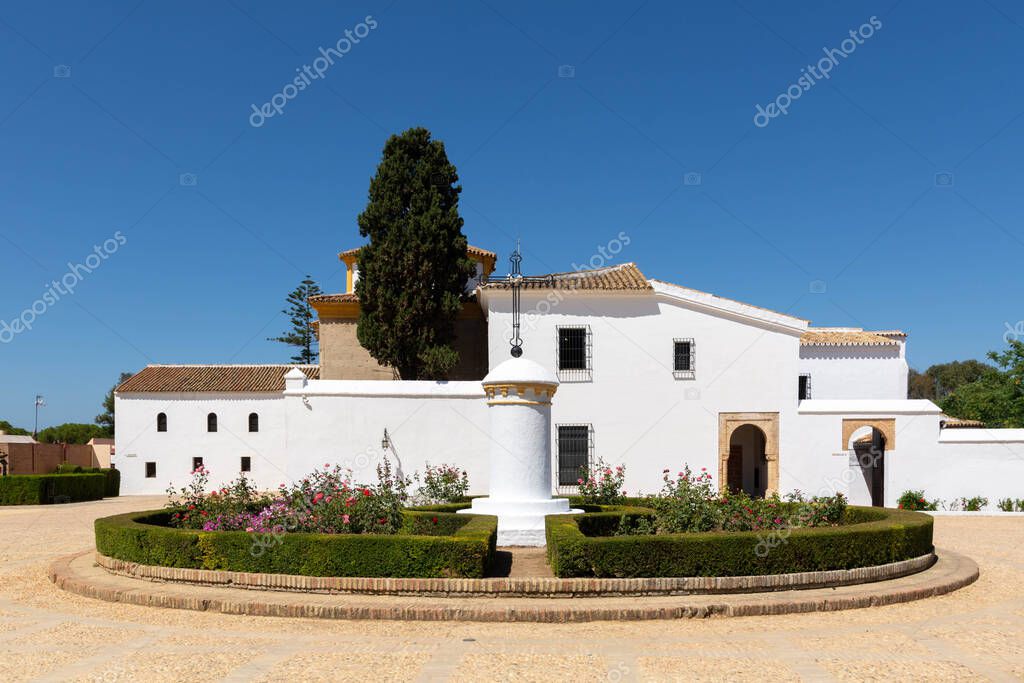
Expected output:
(46, 634)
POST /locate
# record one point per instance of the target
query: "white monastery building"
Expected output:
(652, 375)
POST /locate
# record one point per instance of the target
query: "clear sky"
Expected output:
(892, 183)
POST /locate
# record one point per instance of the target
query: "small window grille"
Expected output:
(161, 422)
(150, 470)
(804, 388)
(684, 359)
(246, 463)
(197, 462)
(211, 422)
(575, 450)
(254, 422)
(575, 353)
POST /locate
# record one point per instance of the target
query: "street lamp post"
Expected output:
(39, 403)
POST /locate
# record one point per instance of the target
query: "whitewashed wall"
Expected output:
(642, 416)
(137, 440)
(855, 372)
(343, 422)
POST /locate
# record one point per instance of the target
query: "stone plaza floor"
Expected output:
(976, 633)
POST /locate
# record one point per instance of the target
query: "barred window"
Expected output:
(804, 387)
(254, 422)
(575, 446)
(211, 422)
(150, 470)
(684, 358)
(161, 422)
(575, 353)
(246, 463)
(197, 462)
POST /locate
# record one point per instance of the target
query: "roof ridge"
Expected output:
(735, 301)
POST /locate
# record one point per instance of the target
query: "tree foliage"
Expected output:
(7, 428)
(300, 314)
(71, 432)
(997, 396)
(106, 418)
(413, 271)
(942, 379)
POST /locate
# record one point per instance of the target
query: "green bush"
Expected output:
(42, 489)
(915, 500)
(429, 544)
(68, 468)
(113, 485)
(869, 536)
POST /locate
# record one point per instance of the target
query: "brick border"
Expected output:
(517, 587)
(80, 575)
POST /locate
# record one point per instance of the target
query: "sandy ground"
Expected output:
(45, 634)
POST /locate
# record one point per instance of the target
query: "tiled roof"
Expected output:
(948, 422)
(825, 336)
(621, 277)
(212, 378)
(333, 299)
(470, 249)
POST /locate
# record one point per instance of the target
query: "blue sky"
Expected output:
(109, 110)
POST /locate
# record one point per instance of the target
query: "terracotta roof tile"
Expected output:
(948, 422)
(824, 336)
(470, 249)
(625, 276)
(212, 378)
(333, 299)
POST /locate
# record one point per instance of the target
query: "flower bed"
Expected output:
(43, 489)
(584, 545)
(427, 544)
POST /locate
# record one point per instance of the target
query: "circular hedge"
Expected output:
(582, 545)
(429, 544)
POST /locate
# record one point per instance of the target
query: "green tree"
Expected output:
(71, 432)
(940, 380)
(300, 315)
(413, 271)
(997, 397)
(106, 418)
(7, 428)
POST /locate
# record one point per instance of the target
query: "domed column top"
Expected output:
(520, 381)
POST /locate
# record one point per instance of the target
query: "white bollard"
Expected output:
(519, 394)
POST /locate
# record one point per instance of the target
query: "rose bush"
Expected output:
(601, 484)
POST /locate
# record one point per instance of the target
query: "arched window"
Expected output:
(211, 422)
(161, 422)
(254, 422)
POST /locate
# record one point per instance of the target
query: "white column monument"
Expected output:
(519, 393)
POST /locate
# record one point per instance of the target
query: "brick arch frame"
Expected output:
(767, 423)
(885, 425)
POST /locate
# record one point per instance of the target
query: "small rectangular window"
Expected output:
(246, 463)
(575, 359)
(150, 470)
(804, 388)
(684, 359)
(575, 445)
(197, 462)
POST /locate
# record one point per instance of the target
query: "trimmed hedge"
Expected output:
(113, 486)
(454, 546)
(579, 545)
(43, 489)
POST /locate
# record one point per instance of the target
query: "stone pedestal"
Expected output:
(519, 394)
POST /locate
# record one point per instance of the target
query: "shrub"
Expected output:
(67, 468)
(442, 484)
(915, 500)
(1005, 504)
(869, 536)
(600, 484)
(689, 503)
(973, 504)
(429, 544)
(42, 489)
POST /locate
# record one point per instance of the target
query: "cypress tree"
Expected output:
(413, 271)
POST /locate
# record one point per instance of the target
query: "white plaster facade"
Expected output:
(637, 408)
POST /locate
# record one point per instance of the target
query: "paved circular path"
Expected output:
(976, 633)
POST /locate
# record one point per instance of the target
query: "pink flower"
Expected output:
(249, 529)
(318, 497)
(327, 464)
(344, 519)
(579, 481)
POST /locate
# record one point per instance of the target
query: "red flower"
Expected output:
(366, 492)
(434, 520)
